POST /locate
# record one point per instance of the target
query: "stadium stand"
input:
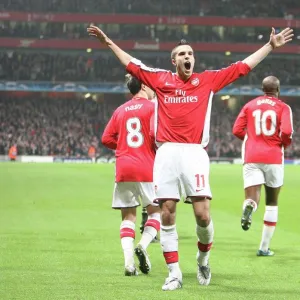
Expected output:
(68, 127)
(63, 66)
(229, 8)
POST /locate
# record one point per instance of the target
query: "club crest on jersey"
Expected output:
(195, 82)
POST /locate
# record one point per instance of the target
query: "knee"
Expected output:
(203, 219)
(167, 217)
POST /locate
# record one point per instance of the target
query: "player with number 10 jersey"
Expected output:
(265, 124)
(269, 125)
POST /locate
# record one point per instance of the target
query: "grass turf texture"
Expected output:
(59, 239)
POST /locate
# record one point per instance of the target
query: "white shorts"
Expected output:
(269, 174)
(132, 194)
(181, 169)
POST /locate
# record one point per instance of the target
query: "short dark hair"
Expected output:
(181, 42)
(133, 84)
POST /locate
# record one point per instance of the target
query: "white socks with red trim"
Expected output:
(205, 240)
(127, 235)
(169, 244)
(152, 226)
(270, 221)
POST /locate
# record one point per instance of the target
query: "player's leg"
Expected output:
(253, 179)
(152, 225)
(169, 243)
(250, 204)
(144, 219)
(195, 181)
(274, 181)
(205, 234)
(166, 180)
(127, 235)
(124, 198)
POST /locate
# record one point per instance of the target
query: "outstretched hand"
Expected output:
(98, 33)
(281, 38)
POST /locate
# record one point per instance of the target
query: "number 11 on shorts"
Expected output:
(200, 182)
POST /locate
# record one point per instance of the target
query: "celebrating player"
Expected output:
(182, 121)
(128, 131)
(265, 124)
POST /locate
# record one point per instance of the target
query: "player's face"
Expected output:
(184, 61)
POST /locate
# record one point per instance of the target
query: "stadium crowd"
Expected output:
(17, 65)
(41, 126)
(68, 127)
(141, 32)
(230, 8)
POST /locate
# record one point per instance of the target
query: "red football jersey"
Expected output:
(128, 131)
(265, 124)
(184, 107)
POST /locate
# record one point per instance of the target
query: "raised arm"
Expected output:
(276, 41)
(148, 76)
(123, 56)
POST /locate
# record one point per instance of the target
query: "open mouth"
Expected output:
(187, 65)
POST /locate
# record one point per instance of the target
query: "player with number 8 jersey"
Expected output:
(129, 133)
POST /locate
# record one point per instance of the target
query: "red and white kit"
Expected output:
(265, 124)
(128, 132)
(182, 121)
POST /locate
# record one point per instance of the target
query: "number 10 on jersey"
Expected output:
(260, 122)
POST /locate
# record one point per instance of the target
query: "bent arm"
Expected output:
(286, 127)
(240, 125)
(110, 135)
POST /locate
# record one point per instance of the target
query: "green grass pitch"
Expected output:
(59, 239)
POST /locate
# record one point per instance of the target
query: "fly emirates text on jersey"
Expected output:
(180, 97)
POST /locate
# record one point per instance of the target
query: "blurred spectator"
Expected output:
(69, 66)
(72, 127)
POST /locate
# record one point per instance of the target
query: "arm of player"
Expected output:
(240, 125)
(123, 56)
(110, 135)
(286, 126)
(225, 76)
(148, 76)
(152, 132)
(276, 41)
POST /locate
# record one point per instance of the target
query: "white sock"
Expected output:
(127, 235)
(270, 221)
(169, 244)
(254, 204)
(152, 226)
(205, 239)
